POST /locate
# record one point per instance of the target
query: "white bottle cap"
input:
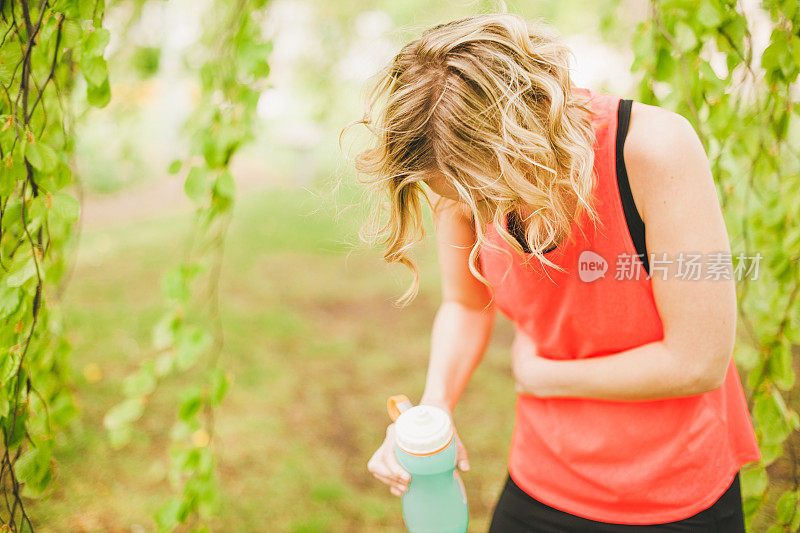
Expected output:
(423, 430)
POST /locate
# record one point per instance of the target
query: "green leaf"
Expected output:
(757, 374)
(146, 60)
(750, 506)
(10, 176)
(746, 355)
(141, 383)
(167, 515)
(708, 15)
(123, 413)
(62, 409)
(66, 207)
(34, 469)
(41, 156)
(191, 403)
(771, 59)
(99, 95)
(787, 506)
(685, 37)
(96, 42)
(20, 429)
(165, 363)
(95, 70)
(164, 331)
(176, 284)
(175, 166)
(57, 179)
(642, 45)
(796, 50)
(8, 367)
(789, 8)
(780, 365)
(10, 56)
(665, 66)
(22, 273)
(35, 213)
(224, 185)
(754, 482)
(190, 344)
(219, 386)
(794, 525)
(770, 452)
(253, 57)
(196, 185)
(770, 416)
(71, 32)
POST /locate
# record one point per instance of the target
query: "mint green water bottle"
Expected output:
(425, 447)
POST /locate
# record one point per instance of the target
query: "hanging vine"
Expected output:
(43, 46)
(700, 58)
(188, 339)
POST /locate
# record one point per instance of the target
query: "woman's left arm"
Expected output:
(674, 191)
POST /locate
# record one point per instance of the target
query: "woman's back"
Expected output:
(622, 462)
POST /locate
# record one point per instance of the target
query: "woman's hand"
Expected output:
(384, 465)
(528, 367)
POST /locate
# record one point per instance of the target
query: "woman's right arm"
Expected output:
(464, 322)
(460, 334)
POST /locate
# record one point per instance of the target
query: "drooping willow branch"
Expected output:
(188, 339)
(37, 217)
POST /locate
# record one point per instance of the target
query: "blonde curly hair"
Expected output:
(486, 103)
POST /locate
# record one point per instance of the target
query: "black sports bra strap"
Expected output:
(632, 218)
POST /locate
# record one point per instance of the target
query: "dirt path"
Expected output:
(163, 194)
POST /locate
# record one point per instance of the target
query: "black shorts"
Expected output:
(518, 512)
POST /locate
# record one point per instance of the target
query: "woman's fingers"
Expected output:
(463, 461)
(397, 471)
(392, 471)
(384, 465)
(395, 488)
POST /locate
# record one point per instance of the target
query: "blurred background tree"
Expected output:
(312, 343)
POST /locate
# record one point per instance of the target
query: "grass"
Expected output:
(315, 347)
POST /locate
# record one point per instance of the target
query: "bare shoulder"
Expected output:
(443, 206)
(664, 158)
(455, 236)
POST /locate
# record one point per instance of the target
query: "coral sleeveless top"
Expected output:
(643, 462)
